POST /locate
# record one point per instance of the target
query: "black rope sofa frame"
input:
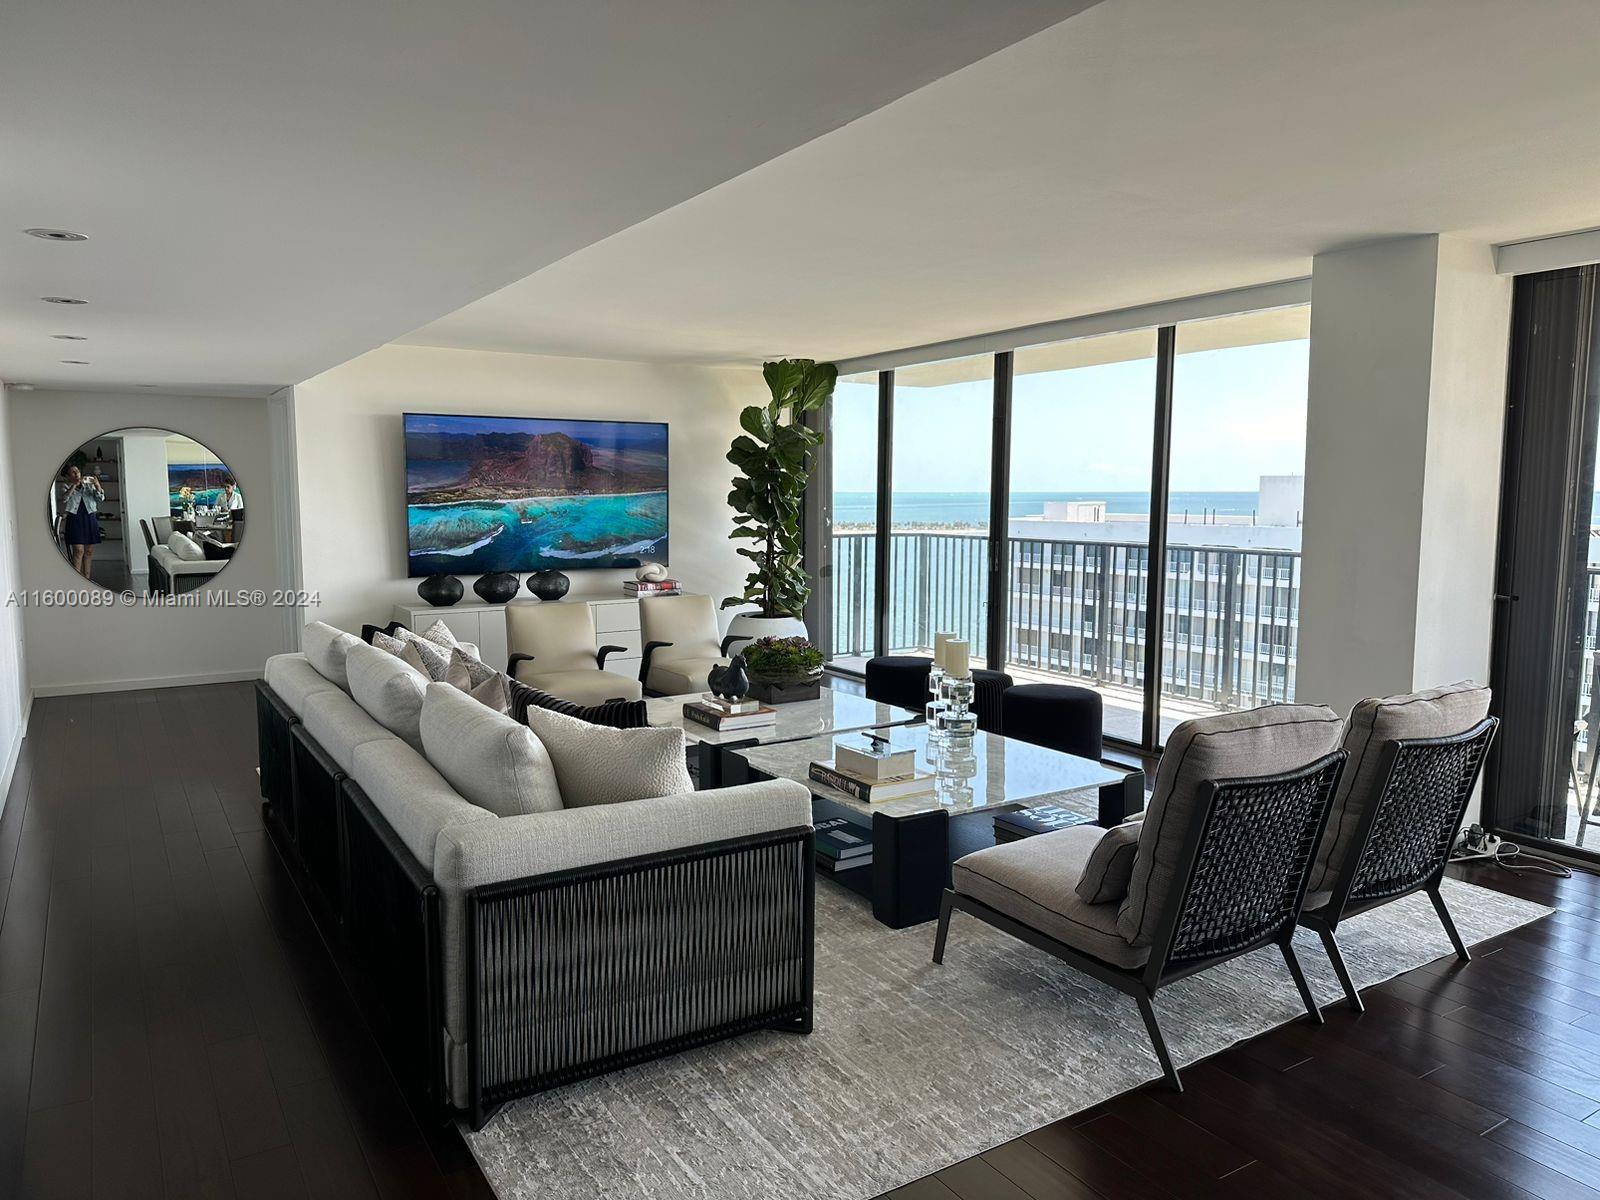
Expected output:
(1241, 878)
(1403, 842)
(570, 974)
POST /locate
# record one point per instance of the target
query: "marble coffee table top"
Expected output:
(832, 712)
(1005, 773)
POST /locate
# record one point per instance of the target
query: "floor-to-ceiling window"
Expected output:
(1078, 555)
(1234, 510)
(939, 533)
(849, 575)
(1182, 444)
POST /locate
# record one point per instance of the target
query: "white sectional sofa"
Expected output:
(501, 955)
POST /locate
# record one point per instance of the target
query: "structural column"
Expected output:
(1403, 445)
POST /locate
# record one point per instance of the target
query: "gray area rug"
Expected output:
(913, 1067)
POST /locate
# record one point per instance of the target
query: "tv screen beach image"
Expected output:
(533, 494)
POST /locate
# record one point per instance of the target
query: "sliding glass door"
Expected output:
(939, 532)
(1077, 556)
(1022, 499)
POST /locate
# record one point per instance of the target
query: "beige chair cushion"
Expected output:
(1035, 881)
(1235, 745)
(560, 636)
(689, 623)
(340, 726)
(1373, 724)
(681, 675)
(584, 687)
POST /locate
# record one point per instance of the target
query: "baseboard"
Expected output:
(140, 685)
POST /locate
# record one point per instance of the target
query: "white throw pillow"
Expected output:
(390, 689)
(487, 757)
(597, 765)
(326, 648)
(184, 548)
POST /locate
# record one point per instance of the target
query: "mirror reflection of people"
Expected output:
(80, 522)
(231, 500)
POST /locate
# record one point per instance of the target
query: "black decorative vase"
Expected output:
(441, 591)
(549, 585)
(498, 588)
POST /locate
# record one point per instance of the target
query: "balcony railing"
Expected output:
(1077, 609)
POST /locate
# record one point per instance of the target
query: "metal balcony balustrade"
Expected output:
(1077, 609)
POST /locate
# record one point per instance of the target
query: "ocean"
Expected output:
(538, 534)
(972, 508)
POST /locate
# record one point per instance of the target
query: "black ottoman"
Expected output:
(1055, 716)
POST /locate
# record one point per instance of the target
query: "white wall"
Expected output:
(15, 697)
(144, 490)
(77, 649)
(1403, 444)
(351, 459)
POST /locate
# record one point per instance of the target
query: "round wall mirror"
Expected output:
(146, 511)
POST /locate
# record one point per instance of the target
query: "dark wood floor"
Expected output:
(171, 1025)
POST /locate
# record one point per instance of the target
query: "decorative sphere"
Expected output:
(549, 585)
(441, 591)
(500, 587)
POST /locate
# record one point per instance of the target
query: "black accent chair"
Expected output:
(1056, 716)
(902, 680)
(149, 538)
(1402, 841)
(1218, 868)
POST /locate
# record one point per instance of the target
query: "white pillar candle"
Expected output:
(956, 657)
(940, 641)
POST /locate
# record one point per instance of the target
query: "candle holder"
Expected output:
(957, 722)
(935, 705)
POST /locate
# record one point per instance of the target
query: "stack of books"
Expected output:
(727, 716)
(870, 791)
(1019, 823)
(842, 845)
(641, 588)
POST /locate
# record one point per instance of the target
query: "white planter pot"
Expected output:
(746, 625)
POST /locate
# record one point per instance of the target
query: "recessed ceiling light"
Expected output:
(61, 300)
(21, 387)
(69, 337)
(57, 235)
(76, 362)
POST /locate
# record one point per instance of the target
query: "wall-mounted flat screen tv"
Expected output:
(533, 494)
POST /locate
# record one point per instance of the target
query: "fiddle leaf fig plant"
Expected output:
(773, 455)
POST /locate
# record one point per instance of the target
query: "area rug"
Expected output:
(913, 1067)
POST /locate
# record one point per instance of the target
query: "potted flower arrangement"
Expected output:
(783, 669)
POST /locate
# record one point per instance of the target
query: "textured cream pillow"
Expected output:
(487, 757)
(479, 680)
(597, 765)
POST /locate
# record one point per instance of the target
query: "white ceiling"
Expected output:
(1143, 150)
(274, 186)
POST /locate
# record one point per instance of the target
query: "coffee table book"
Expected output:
(1041, 818)
(704, 714)
(870, 791)
(874, 759)
(842, 845)
(730, 708)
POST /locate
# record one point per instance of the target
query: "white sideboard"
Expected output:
(616, 623)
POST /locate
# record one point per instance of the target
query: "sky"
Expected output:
(1238, 413)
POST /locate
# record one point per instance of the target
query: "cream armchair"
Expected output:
(681, 644)
(553, 648)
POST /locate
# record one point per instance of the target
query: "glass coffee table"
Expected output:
(832, 712)
(915, 839)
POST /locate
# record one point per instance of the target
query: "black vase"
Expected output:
(441, 591)
(549, 585)
(498, 588)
